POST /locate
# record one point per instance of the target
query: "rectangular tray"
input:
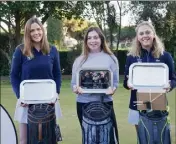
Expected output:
(37, 91)
(148, 75)
(94, 80)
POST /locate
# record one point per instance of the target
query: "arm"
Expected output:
(172, 74)
(76, 89)
(15, 72)
(126, 73)
(115, 70)
(73, 79)
(57, 70)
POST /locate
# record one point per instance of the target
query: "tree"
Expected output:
(111, 22)
(119, 26)
(153, 10)
(76, 27)
(114, 22)
(162, 15)
(169, 29)
(127, 33)
(55, 31)
(97, 12)
(15, 14)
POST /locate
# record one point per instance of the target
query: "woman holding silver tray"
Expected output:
(34, 60)
(95, 77)
(146, 48)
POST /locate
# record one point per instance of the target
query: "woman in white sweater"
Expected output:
(96, 54)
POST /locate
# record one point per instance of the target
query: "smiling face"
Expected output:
(36, 33)
(145, 36)
(93, 42)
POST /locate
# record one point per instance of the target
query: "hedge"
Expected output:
(66, 61)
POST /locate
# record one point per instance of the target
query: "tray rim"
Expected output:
(22, 98)
(163, 65)
(94, 90)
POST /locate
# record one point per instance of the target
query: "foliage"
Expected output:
(15, 14)
(67, 59)
(55, 31)
(127, 33)
(169, 26)
(76, 27)
(71, 56)
(150, 10)
(4, 62)
(20, 12)
(169, 32)
(163, 16)
(111, 21)
(96, 11)
(143, 10)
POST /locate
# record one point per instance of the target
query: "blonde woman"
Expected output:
(147, 47)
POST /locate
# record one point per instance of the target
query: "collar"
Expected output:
(146, 51)
(36, 52)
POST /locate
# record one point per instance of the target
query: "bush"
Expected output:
(4, 45)
(67, 59)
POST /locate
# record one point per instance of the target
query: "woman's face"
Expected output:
(93, 41)
(145, 36)
(36, 33)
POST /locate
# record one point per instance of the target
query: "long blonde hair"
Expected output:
(28, 44)
(103, 46)
(158, 46)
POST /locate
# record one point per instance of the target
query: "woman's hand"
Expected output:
(169, 87)
(111, 91)
(23, 105)
(77, 89)
(54, 101)
(131, 88)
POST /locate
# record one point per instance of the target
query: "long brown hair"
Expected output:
(158, 46)
(103, 46)
(28, 44)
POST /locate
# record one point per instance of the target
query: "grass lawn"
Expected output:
(69, 123)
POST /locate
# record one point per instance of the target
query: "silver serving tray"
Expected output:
(148, 76)
(94, 80)
(38, 91)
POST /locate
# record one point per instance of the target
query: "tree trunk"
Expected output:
(110, 25)
(18, 28)
(119, 30)
(99, 15)
(6, 55)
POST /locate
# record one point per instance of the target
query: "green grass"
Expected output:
(69, 123)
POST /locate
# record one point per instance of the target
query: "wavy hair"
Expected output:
(158, 46)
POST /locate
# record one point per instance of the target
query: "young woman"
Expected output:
(96, 54)
(35, 59)
(147, 47)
